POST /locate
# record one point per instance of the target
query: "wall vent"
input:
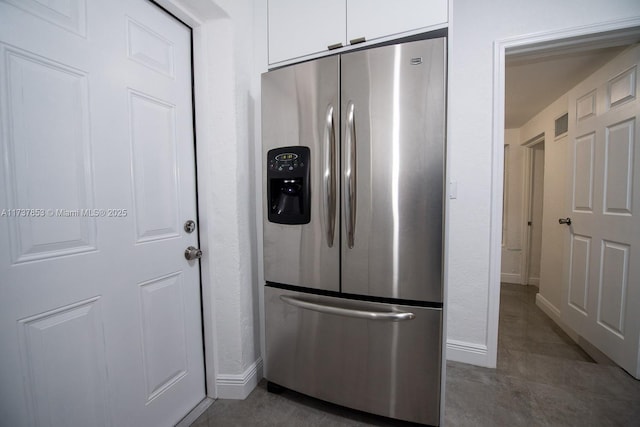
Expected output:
(562, 125)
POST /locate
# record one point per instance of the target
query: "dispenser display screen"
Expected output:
(285, 161)
(286, 157)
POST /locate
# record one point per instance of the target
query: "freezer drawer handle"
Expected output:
(350, 198)
(329, 176)
(392, 316)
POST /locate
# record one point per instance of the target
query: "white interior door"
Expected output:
(601, 300)
(100, 321)
(535, 213)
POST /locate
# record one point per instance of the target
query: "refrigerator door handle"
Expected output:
(350, 175)
(391, 316)
(329, 176)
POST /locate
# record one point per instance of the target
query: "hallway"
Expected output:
(542, 379)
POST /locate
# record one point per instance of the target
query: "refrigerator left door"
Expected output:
(300, 108)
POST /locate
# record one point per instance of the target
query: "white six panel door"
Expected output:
(99, 310)
(602, 298)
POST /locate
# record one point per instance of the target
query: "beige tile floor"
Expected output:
(542, 379)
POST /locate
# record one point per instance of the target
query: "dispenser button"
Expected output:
(290, 168)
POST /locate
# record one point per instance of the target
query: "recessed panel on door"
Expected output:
(618, 163)
(163, 333)
(583, 157)
(612, 292)
(50, 167)
(149, 48)
(65, 388)
(154, 167)
(579, 273)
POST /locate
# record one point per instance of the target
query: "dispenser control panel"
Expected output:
(286, 162)
(288, 185)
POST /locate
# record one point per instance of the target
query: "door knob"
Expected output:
(564, 221)
(192, 253)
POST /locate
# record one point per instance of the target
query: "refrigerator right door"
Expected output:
(393, 133)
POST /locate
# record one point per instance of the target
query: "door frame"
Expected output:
(600, 34)
(525, 261)
(201, 72)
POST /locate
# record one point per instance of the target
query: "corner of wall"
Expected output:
(470, 353)
(232, 386)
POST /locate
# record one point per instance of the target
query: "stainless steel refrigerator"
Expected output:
(353, 151)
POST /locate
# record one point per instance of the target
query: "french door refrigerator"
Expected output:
(353, 151)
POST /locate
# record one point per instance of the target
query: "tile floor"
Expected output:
(542, 379)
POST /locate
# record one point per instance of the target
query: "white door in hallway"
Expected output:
(536, 206)
(601, 299)
(100, 321)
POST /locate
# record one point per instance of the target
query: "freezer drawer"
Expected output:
(379, 358)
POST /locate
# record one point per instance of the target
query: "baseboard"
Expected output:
(193, 415)
(554, 313)
(464, 352)
(510, 278)
(535, 281)
(238, 386)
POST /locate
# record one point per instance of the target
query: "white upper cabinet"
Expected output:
(373, 19)
(301, 28)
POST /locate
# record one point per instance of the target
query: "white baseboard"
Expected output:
(238, 386)
(193, 415)
(535, 281)
(554, 313)
(464, 352)
(510, 278)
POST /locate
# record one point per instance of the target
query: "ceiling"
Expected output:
(536, 78)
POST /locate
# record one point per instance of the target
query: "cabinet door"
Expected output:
(372, 19)
(304, 27)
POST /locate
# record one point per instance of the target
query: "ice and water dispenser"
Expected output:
(288, 186)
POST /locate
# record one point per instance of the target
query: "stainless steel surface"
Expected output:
(190, 226)
(334, 46)
(350, 180)
(192, 253)
(389, 316)
(386, 166)
(400, 128)
(329, 176)
(387, 368)
(564, 221)
(295, 100)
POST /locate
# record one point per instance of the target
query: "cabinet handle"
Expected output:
(357, 40)
(334, 46)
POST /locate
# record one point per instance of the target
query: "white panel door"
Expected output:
(601, 300)
(100, 321)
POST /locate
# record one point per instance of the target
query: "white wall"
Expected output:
(228, 38)
(475, 27)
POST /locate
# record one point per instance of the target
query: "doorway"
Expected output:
(617, 38)
(535, 201)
